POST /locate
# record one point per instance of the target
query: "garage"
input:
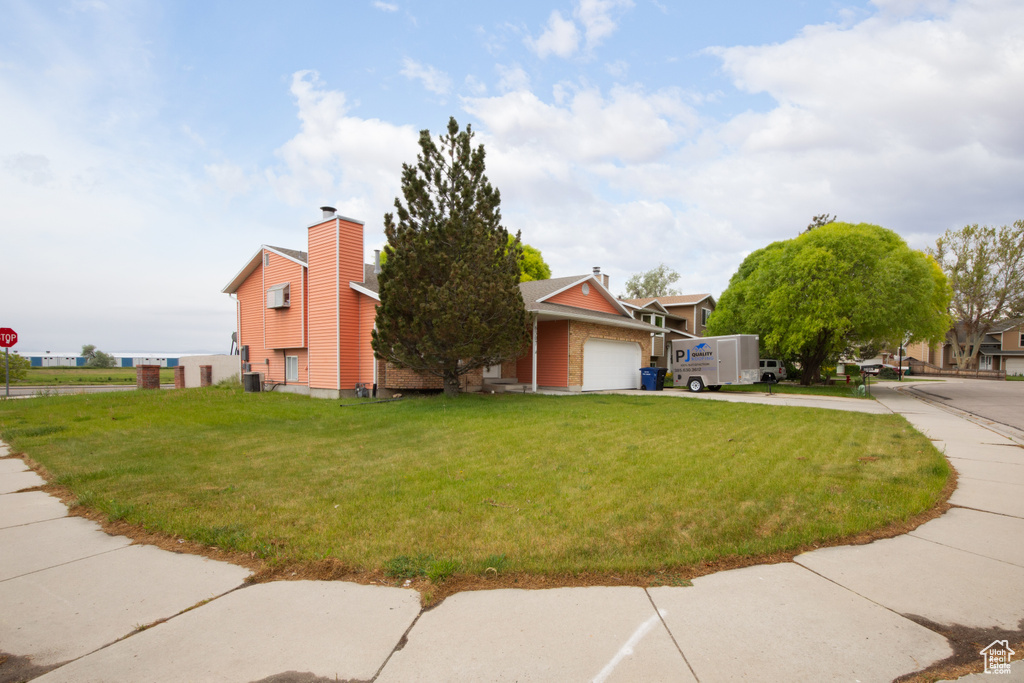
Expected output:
(609, 364)
(1014, 365)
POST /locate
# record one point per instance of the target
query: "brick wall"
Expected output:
(403, 378)
(580, 332)
(147, 376)
(179, 377)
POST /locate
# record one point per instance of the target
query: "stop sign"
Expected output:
(8, 337)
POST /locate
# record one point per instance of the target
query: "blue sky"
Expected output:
(149, 148)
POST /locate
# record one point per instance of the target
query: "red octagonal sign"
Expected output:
(8, 337)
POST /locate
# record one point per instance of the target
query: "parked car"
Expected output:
(772, 370)
(875, 368)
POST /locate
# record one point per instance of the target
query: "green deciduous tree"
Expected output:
(531, 264)
(94, 358)
(833, 287)
(101, 360)
(19, 366)
(449, 295)
(985, 267)
(654, 282)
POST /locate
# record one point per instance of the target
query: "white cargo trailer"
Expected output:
(710, 362)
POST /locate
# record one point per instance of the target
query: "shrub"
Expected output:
(852, 370)
(888, 373)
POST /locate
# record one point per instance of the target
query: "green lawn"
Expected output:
(62, 376)
(1015, 378)
(541, 484)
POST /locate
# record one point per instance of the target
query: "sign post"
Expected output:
(8, 338)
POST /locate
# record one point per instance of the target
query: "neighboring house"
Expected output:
(1002, 349)
(305, 321)
(682, 317)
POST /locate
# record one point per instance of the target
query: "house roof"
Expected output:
(369, 286)
(674, 300)
(300, 257)
(1004, 325)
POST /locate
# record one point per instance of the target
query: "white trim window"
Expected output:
(985, 362)
(705, 313)
(291, 368)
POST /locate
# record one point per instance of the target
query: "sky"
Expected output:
(148, 149)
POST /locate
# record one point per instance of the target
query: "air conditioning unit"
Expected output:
(279, 296)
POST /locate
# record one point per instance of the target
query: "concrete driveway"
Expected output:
(997, 401)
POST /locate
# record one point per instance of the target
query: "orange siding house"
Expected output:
(305, 321)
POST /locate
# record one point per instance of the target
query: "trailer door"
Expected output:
(728, 361)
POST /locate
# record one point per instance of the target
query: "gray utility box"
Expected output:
(710, 362)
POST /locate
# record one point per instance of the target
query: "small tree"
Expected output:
(652, 283)
(88, 352)
(985, 267)
(19, 366)
(449, 294)
(101, 360)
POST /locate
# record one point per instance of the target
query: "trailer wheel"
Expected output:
(695, 384)
(714, 387)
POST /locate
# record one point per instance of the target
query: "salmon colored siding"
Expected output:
(575, 297)
(271, 337)
(367, 317)
(350, 269)
(283, 327)
(552, 356)
(335, 259)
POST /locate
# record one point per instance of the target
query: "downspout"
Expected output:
(337, 299)
(534, 363)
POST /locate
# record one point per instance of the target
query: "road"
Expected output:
(23, 392)
(997, 401)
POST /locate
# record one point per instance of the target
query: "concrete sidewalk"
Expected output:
(74, 600)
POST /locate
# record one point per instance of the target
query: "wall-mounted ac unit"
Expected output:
(279, 296)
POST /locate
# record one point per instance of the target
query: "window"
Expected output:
(657, 320)
(1022, 340)
(291, 369)
(704, 314)
(279, 296)
(266, 259)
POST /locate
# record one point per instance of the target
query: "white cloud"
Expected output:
(512, 78)
(385, 6)
(434, 80)
(560, 38)
(337, 155)
(596, 17)
(475, 86)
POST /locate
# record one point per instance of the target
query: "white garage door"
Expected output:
(610, 365)
(1014, 366)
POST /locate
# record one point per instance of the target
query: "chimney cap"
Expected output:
(597, 270)
(329, 211)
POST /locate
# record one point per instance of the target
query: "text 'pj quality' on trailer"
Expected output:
(713, 361)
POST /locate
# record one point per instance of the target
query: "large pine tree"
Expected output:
(449, 294)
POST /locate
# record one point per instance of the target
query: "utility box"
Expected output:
(710, 362)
